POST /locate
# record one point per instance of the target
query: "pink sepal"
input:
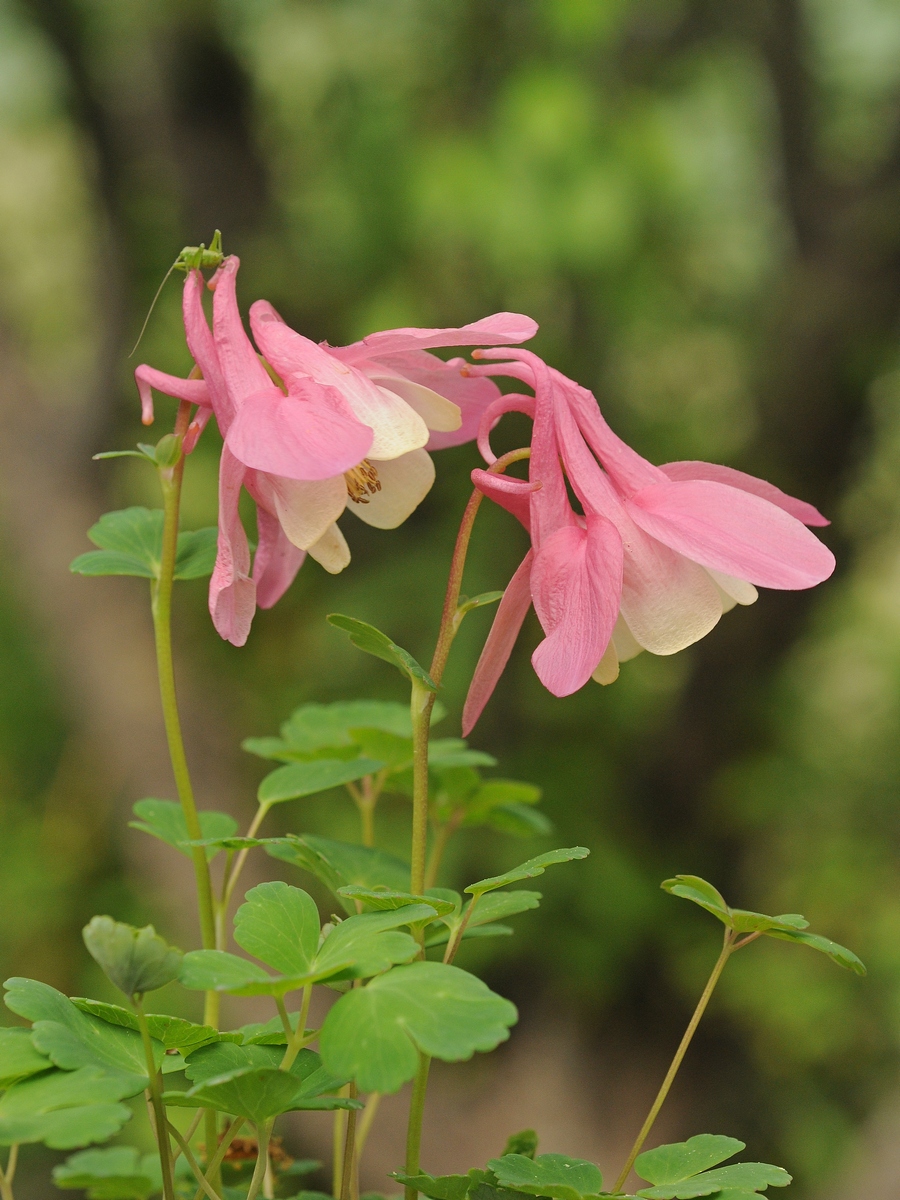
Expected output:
(499, 329)
(194, 391)
(276, 562)
(679, 471)
(508, 620)
(232, 593)
(512, 494)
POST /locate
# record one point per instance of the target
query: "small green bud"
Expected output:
(136, 960)
(167, 451)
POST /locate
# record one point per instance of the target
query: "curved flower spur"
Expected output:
(310, 430)
(656, 557)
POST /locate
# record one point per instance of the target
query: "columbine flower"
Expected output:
(656, 558)
(327, 435)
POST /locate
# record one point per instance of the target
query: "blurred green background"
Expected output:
(700, 203)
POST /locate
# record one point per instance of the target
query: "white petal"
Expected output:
(306, 509)
(739, 590)
(397, 428)
(436, 410)
(405, 482)
(624, 641)
(668, 601)
(331, 550)
(607, 669)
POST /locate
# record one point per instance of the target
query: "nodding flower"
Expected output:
(311, 430)
(652, 560)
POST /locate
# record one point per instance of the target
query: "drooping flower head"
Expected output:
(654, 558)
(310, 430)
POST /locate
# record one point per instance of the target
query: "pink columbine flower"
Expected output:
(329, 435)
(657, 556)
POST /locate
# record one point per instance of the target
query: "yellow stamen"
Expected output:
(362, 482)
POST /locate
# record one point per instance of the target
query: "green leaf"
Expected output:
(173, 1032)
(338, 864)
(468, 603)
(136, 960)
(552, 1175)
(73, 1039)
(838, 954)
(372, 1033)
(117, 1173)
(746, 1177)
(255, 1093)
(234, 843)
(692, 887)
(500, 791)
(753, 922)
(393, 751)
(316, 727)
(164, 819)
(373, 641)
(442, 1187)
(263, 1033)
(211, 1062)
(370, 942)
(219, 971)
(307, 778)
(64, 1108)
(18, 1057)
(279, 925)
(380, 898)
(195, 555)
(518, 820)
(110, 562)
(497, 906)
(528, 870)
(680, 1160)
(525, 1143)
(444, 753)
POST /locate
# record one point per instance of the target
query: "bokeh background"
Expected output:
(700, 203)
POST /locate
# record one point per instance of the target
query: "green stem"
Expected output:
(6, 1177)
(189, 1132)
(416, 1112)
(195, 1166)
(349, 1149)
(453, 944)
(337, 1145)
(159, 1109)
(215, 1163)
(365, 1122)
(228, 884)
(728, 949)
(262, 1158)
(421, 703)
(296, 1041)
(161, 595)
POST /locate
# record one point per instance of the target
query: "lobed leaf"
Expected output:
(339, 864)
(164, 819)
(373, 1033)
(749, 1178)
(255, 1093)
(116, 1173)
(679, 1160)
(838, 954)
(65, 1108)
(136, 960)
(441, 1187)
(18, 1057)
(279, 925)
(386, 898)
(552, 1175)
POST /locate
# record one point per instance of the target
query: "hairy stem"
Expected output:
(161, 601)
(159, 1109)
(349, 1149)
(727, 950)
(416, 1112)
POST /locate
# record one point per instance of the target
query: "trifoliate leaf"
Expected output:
(838, 954)
(441, 1187)
(387, 898)
(116, 1173)
(552, 1175)
(528, 870)
(255, 1093)
(338, 864)
(64, 1108)
(173, 1032)
(130, 542)
(298, 779)
(680, 1160)
(279, 925)
(164, 819)
(18, 1057)
(692, 887)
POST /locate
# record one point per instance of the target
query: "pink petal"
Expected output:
(512, 494)
(243, 372)
(513, 402)
(510, 614)
(192, 390)
(733, 531)
(276, 562)
(232, 593)
(295, 437)
(500, 329)
(203, 348)
(576, 583)
(196, 427)
(746, 483)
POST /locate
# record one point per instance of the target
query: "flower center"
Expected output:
(362, 482)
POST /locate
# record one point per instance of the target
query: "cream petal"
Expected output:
(436, 410)
(738, 590)
(306, 508)
(397, 428)
(668, 601)
(405, 482)
(607, 669)
(624, 641)
(331, 550)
